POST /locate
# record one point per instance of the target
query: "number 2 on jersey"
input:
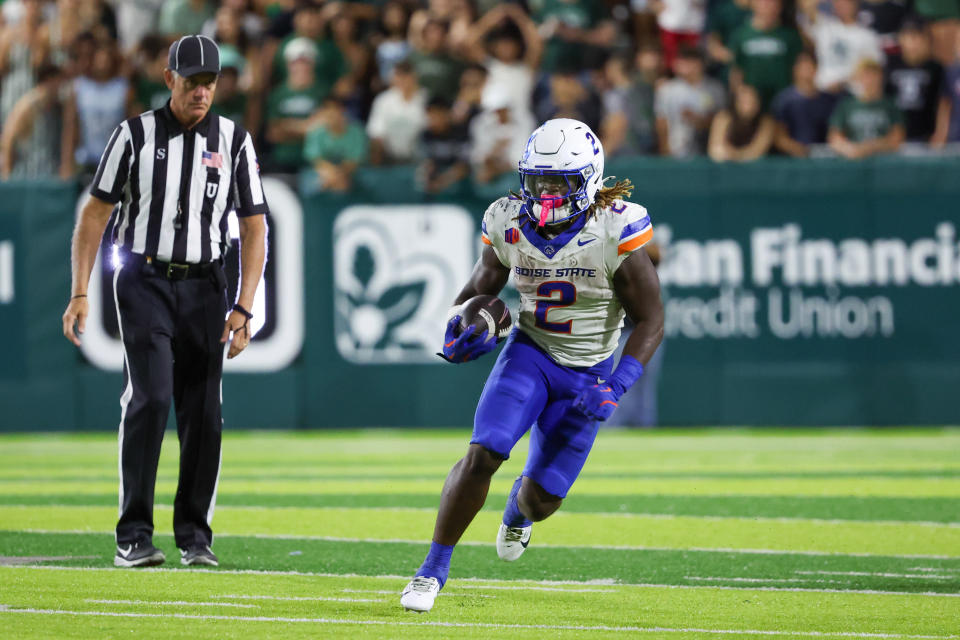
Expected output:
(568, 295)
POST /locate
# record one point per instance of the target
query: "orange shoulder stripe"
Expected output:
(633, 243)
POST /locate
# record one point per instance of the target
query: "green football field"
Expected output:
(667, 534)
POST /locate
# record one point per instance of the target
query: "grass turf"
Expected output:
(742, 533)
(326, 606)
(920, 509)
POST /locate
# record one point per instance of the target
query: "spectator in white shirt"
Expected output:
(628, 125)
(505, 41)
(685, 106)
(498, 136)
(397, 117)
(841, 42)
(135, 19)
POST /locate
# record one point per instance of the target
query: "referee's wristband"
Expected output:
(239, 309)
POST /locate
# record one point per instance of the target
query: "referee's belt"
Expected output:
(177, 271)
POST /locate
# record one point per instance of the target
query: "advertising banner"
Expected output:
(796, 293)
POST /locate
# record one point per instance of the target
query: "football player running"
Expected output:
(574, 248)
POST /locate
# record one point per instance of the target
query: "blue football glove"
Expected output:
(462, 347)
(599, 401)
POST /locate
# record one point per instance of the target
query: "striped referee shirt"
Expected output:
(175, 185)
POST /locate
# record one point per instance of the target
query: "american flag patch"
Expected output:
(210, 159)
(512, 236)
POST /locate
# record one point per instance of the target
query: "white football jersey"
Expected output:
(567, 302)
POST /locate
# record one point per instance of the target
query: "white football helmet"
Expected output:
(561, 171)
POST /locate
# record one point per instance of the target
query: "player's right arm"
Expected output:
(492, 270)
(489, 277)
(86, 241)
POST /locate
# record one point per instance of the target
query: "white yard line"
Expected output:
(172, 603)
(765, 580)
(396, 592)
(732, 579)
(524, 588)
(481, 625)
(294, 598)
(12, 561)
(941, 569)
(613, 547)
(488, 581)
(924, 576)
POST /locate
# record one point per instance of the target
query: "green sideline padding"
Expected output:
(798, 293)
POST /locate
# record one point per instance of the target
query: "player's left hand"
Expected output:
(239, 326)
(597, 401)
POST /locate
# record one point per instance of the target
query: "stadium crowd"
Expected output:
(456, 86)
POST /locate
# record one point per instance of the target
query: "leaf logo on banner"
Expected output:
(395, 270)
(373, 317)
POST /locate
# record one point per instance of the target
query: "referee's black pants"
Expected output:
(171, 338)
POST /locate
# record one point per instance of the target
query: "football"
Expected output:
(486, 312)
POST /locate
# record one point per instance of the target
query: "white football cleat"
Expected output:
(512, 541)
(420, 594)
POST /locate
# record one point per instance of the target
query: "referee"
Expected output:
(174, 173)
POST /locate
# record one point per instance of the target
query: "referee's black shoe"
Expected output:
(198, 555)
(140, 554)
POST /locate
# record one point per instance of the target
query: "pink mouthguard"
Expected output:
(547, 203)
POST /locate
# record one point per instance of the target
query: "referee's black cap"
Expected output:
(191, 55)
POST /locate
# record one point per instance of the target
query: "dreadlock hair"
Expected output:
(606, 196)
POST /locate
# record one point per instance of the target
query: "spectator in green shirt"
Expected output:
(437, 71)
(725, 17)
(178, 17)
(335, 146)
(290, 106)
(870, 123)
(576, 33)
(310, 21)
(764, 50)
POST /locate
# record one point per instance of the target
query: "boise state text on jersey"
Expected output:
(567, 301)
